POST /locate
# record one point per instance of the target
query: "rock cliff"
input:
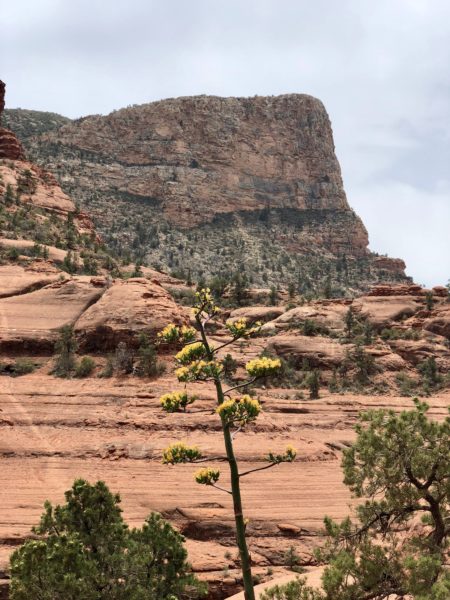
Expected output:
(210, 185)
(10, 146)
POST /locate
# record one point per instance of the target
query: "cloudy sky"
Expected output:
(382, 69)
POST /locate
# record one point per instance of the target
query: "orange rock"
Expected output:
(126, 309)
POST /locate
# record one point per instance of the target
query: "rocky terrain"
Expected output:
(204, 186)
(376, 349)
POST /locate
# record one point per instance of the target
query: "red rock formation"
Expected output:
(10, 147)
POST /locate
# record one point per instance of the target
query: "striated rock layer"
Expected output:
(10, 146)
(256, 180)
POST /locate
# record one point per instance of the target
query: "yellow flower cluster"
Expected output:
(240, 328)
(175, 401)
(200, 370)
(288, 456)
(262, 367)
(179, 452)
(207, 476)
(188, 334)
(204, 303)
(239, 410)
(171, 334)
(191, 352)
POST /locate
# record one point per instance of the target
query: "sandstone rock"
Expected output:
(416, 351)
(381, 311)
(440, 291)
(56, 254)
(257, 313)
(127, 309)
(30, 322)
(440, 321)
(387, 360)
(326, 314)
(396, 290)
(205, 168)
(319, 351)
(10, 147)
(46, 194)
(15, 280)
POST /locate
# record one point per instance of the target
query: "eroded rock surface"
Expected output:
(249, 177)
(127, 309)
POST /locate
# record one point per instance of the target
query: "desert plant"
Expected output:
(108, 369)
(65, 349)
(85, 550)
(398, 544)
(406, 384)
(313, 381)
(430, 374)
(198, 362)
(364, 363)
(148, 364)
(123, 359)
(350, 321)
(85, 367)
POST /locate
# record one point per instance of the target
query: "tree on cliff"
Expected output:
(198, 361)
(86, 551)
(398, 547)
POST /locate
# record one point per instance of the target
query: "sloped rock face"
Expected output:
(29, 322)
(127, 309)
(10, 146)
(256, 180)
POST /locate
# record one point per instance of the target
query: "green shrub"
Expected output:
(148, 364)
(313, 381)
(65, 349)
(86, 551)
(84, 367)
(21, 366)
(108, 369)
(406, 384)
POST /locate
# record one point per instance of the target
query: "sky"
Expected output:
(382, 69)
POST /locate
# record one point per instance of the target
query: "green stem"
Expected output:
(249, 592)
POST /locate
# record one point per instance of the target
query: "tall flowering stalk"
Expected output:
(198, 361)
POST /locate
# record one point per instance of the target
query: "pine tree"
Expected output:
(86, 551)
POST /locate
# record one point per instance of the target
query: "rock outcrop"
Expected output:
(10, 147)
(255, 179)
(127, 309)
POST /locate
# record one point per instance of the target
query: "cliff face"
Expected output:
(10, 146)
(256, 180)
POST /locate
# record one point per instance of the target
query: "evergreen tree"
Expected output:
(398, 545)
(65, 349)
(86, 551)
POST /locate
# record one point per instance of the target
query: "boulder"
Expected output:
(257, 313)
(440, 321)
(16, 280)
(30, 322)
(330, 315)
(416, 351)
(319, 351)
(382, 311)
(127, 309)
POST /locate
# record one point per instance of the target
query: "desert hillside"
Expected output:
(206, 186)
(102, 418)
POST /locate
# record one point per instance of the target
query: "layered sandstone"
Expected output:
(10, 147)
(255, 179)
